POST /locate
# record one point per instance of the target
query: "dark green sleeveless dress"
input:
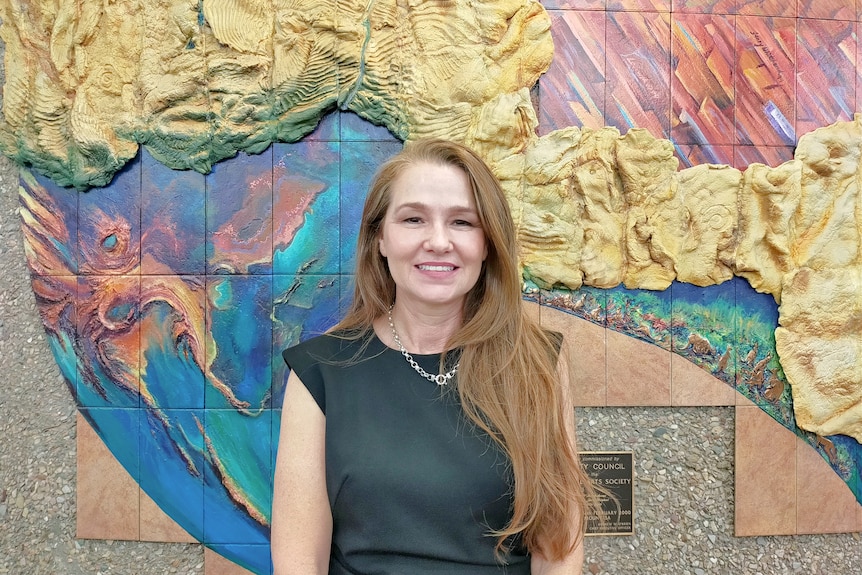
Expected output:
(414, 488)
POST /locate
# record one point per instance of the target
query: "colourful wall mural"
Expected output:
(167, 294)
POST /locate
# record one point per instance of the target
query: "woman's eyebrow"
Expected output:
(424, 206)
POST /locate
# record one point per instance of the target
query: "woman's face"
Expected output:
(432, 237)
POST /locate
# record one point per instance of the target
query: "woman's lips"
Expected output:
(436, 267)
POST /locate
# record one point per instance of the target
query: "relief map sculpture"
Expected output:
(159, 322)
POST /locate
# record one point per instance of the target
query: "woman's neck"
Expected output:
(421, 332)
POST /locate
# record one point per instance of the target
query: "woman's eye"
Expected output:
(413, 220)
(463, 223)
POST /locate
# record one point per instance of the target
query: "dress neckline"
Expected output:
(382, 346)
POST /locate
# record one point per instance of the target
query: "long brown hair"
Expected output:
(508, 379)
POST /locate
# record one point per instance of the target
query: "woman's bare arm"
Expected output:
(301, 517)
(574, 562)
(571, 565)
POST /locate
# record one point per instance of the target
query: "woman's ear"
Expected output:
(380, 246)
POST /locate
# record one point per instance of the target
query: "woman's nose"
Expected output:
(438, 238)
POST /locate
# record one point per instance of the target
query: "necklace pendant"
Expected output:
(440, 379)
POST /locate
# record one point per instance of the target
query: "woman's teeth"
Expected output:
(437, 268)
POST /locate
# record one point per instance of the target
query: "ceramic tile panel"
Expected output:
(702, 82)
(303, 306)
(642, 314)
(354, 128)
(46, 206)
(827, 9)
(174, 341)
(692, 386)
(574, 4)
(586, 348)
(107, 505)
(694, 155)
(703, 367)
(858, 83)
(57, 303)
(705, 322)
(765, 81)
(783, 8)
(744, 156)
(758, 375)
(644, 382)
(638, 79)
(586, 302)
(707, 6)
(826, 74)
(328, 129)
(109, 225)
(183, 55)
(639, 5)
(239, 317)
(173, 219)
(765, 475)
(359, 163)
(533, 309)
(172, 444)
(227, 435)
(305, 182)
(106, 308)
(346, 289)
(215, 564)
(824, 503)
(156, 525)
(239, 215)
(572, 91)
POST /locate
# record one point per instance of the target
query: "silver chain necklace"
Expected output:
(440, 378)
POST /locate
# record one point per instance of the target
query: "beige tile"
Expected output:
(824, 502)
(156, 525)
(638, 372)
(742, 400)
(693, 386)
(586, 348)
(533, 309)
(765, 475)
(107, 498)
(215, 564)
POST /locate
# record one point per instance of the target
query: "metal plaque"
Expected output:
(612, 471)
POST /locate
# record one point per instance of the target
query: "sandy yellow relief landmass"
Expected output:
(792, 231)
(86, 83)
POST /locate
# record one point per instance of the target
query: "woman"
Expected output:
(431, 431)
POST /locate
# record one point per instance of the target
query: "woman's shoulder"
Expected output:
(329, 346)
